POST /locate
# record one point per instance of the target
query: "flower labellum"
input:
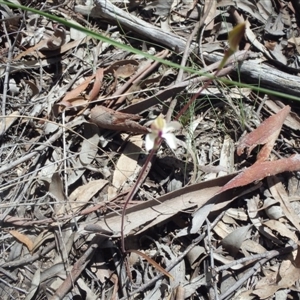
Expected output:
(160, 129)
(234, 38)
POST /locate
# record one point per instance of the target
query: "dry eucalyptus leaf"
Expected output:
(279, 193)
(261, 170)
(127, 163)
(233, 241)
(89, 146)
(8, 121)
(148, 214)
(82, 195)
(41, 238)
(110, 119)
(255, 218)
(282, 229)
(266, 133)
(286, 277)
(24, 239)
(35, 282)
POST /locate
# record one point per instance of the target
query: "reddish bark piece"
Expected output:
(97, 84)
(110, 119)
(260, 170)
(266, 133)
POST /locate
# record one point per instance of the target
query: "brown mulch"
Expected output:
(216, 218)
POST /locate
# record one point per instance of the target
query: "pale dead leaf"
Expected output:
(233, 241)
(222, 229)
(89, 146)
(8, 121)
(252, 205)
(280, 195)
(209, 20)
(287, 276)
(127, 164)
(281, 229)
(75, 93)
(82, 195)
(35, 282)
(200, 216)
(146, 215)
(24, 239)
(237, 213)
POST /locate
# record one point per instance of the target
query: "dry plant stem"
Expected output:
(213, 290)
(22, 190)
(179, 259)
(6, 79)
(30, 155)
(193, 99)
(30, 259)
(245, 259)
(8, 274)
(105, 9)
(78, 267)
(136, 78)
(133, 191)
(256, 268)
(185, 57)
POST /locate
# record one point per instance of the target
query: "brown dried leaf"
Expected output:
(41, 238)
(57, 39)
(97, 84)
(152, 262)
(266, 133)
(76, 92)
(24, 239)
(110, 119)
(260, 170)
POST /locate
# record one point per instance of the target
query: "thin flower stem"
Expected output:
(193, 99)
(133, 191)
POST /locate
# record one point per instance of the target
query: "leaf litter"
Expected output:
(208, 220)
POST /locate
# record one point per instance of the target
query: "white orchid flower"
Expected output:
(160, 129)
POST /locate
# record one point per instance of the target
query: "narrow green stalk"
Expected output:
(193, 99)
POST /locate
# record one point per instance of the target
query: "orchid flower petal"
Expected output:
(171, 126)
(170, 140)
(150, 141)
